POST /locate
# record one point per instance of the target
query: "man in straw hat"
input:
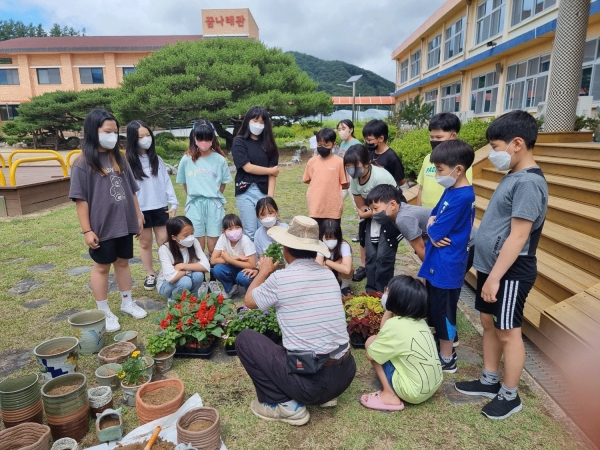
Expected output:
(311, 316)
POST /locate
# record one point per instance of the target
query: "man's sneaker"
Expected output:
(213, 286)
(346, 292)
(134, 310)
(329, 404)
(449, 367)
(455, 343)
(359, 274)
(277, 413)
(500, 408)
(231, 293)
(112, 323)
(203, 289)
(476, 387)
(355, 238)
(150, 282)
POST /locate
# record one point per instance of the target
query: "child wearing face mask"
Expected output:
(326, 177)
(155, 194)
(340, 259)
(182, 260)
(268, 214)
(103, 188)
(204, 173)
(233, 253)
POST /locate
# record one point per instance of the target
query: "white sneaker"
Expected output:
(203, 289)
(214, 287)
(134, 310)
(329, 404)
(112, 323)
(233, 291)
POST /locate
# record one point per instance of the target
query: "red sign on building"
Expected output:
(229, 20)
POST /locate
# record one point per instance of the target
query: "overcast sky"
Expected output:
(359, 32)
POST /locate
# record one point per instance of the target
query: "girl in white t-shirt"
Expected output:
(340, 260)
(234, 252)
(183, 261)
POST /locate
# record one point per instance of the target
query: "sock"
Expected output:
(103, 305)
(126, 298)
(346, 283)
(291, 405)
(446, 360)
(507, 393)
(489, 378)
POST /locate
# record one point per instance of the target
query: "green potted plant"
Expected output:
(133, 375)
(363, 314)
(264, 322)
(161, 347)
(275, 251)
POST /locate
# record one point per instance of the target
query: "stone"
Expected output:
(86, 256)
(13, 260)
(14, 360)
(31, 241)
(150, 304)
(80, 270)
(34, 304)
(112, 284)
(135, 261)
(64, 315)
(456, 398)
(468, 355)
(25, 286)
(49, 247)
(41, 268)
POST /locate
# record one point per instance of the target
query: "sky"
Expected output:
(358, 32)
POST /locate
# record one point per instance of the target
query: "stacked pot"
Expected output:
(21, 400)
(209, 439)
(25, 436)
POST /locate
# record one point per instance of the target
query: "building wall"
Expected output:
(227, 22)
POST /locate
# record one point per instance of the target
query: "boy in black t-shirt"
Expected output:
(375, 134)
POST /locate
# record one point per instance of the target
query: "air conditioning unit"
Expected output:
(584, 105)
(541, 110)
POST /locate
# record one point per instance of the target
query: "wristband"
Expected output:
(83, 232)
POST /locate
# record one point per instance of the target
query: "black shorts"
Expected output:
(155, 217)
(442, 311)
(111, 249)
(507, 311)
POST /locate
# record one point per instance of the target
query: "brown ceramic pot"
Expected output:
(209, 439)
(147, 413)
(26, 436)
(33, 413)
(74, 426)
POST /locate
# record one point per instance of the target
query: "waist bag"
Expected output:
(308, 363)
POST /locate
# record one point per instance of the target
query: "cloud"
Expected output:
(354, 31)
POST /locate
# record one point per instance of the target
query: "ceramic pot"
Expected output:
(111, 433)
(33, 413)
(21, 400)
(149, 365)
(65, 444)
(67, 414)
(127, 336)
(107, 375)
(26, 436)
(116, 353)
(100, 399)
(89, 327)
(62, 362)
(163, 361)
(129, 392)
(209, 439)
(146, 412)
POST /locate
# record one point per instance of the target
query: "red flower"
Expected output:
(220, 299)
(189, 321)
(184, 295)
(169, 317)
(193, 299)
(179, 326)
(164, 324)
(178, 306)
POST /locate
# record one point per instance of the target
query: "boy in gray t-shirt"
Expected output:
(505, 260)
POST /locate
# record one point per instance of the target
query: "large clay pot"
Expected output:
(129, 392)
(62, 362)
(21, 400)
(209, 439)
(146, 412)
(116, 353)
(26, 436)
(67, 414)
(127, 336)
(89, 327)
(163, 361)
(65, 444)
(107, 375)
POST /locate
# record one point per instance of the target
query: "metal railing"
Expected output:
(37, 152)
(69, 155)
(15, 165)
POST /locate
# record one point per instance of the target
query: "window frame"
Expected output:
(404, 71)
(415, 63)
(457, 85)
(489, 16)
(452, 38)
(433, 101)
(14, 74)
(127, 70)
(37, 72)
(492, 88)
(546, 5)
(434, 51)
(526, 83)
(91, 69)
(6, 109)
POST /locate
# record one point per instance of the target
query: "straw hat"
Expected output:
(302, 234)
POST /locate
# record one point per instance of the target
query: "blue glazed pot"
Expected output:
(57, 357)
(89, 327)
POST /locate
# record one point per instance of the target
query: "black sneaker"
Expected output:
(500, 408)
(360, 274)
(355, 238)
(449, 367)
(150, 282)
(476, 387)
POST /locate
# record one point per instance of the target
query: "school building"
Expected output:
(32, 66)
(481, 58)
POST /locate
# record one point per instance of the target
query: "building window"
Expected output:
(524, 9)
(431, 99)
(128, 70)
(48, 76)
(490, 19)
(454, 38)
(402, 103)
(9, 76)
(526, 83)
(590, 73)
(91, 75)
(404, 71)
(484, 93)
(415, 64)
(8, 112)
(433, 51)
(451, 97)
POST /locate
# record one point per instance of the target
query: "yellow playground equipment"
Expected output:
(51, 155)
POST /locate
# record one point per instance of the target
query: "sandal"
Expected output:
(373, 401)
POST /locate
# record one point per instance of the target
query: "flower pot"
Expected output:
(130, 391)
(67, 413)
(147, 412)
(357, 340)
(111, 433)
(65, 444)
(149, 365)
(26, 436)
(89, 327)
(208, 439)
(230, 349)
(100, 399)
(163, 361)
(116, 353)
(21, 400)
(127, 336)
(57, 356)
(195, 350)
(204, 351)
(107, 375)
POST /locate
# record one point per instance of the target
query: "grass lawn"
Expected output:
(54, 238)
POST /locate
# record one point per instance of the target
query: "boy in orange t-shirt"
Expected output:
(326, 176)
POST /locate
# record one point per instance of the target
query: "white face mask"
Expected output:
(145, 142)
(108, 140)
(256, 128)
(501, 160)
(269, 222)
(188, 241)
(446, 180)
(344, 134)
(330, 243)
(384, 298)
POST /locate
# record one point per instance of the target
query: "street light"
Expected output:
(353, 80)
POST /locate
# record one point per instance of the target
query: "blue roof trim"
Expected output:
(500, 48)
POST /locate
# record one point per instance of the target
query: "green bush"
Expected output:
(473, 132)
(161, 138)
(283, 132)
(412, 147)
(160, 151)
(175, 147)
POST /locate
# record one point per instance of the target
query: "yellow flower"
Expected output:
(135, 354)
(121, 374)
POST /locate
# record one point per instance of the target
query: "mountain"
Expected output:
(329, 73)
